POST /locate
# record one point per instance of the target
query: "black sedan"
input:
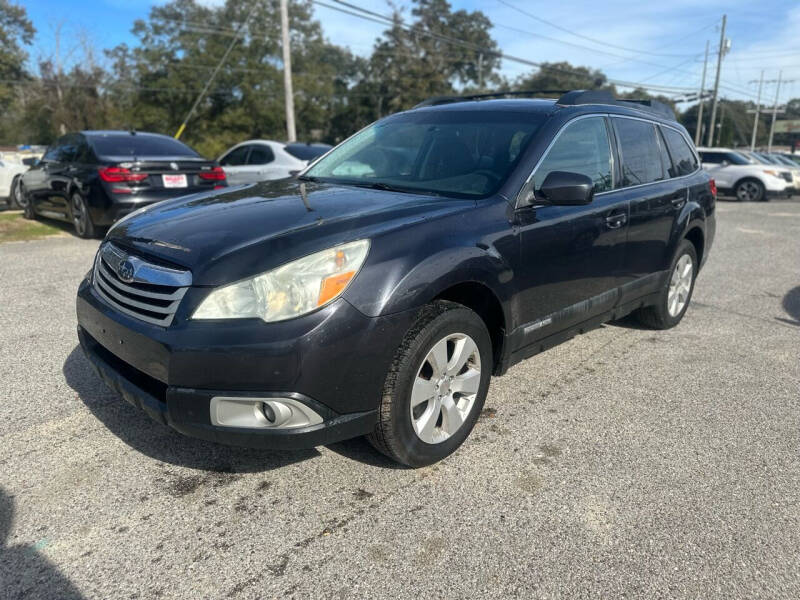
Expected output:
(94, 178)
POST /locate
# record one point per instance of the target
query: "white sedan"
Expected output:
(10, 170)
(261, 160)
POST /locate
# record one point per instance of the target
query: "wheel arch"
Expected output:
(483, 301)
(748, 178)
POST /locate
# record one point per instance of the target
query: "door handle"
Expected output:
(678, 200)
(616, 221)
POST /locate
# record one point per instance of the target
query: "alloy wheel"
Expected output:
(19, 195)
(748, 191)
(680, 285)
(445, 388)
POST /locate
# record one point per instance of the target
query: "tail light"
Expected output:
(120, 175)
(712, 186)
(215, 174)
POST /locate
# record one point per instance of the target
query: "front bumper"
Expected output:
(334, 361)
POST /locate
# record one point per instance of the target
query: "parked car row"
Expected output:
(751, 176)
(94, 178)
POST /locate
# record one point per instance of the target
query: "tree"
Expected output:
(563, 76)
(437, 52)
(16, 32)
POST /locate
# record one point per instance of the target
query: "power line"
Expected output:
(585, 37)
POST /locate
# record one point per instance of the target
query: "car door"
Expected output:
(234, 163)
(36, 181)
(59, 177)
(571, 256)
(655, 200)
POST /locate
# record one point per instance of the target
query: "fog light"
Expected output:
(262, 413)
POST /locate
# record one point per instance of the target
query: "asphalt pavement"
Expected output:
(627, 462)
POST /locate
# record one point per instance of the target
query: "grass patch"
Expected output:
(15, 228)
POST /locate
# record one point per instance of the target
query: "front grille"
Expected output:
(148, 291)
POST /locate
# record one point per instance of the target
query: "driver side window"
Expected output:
(583, 147)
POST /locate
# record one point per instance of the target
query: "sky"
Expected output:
(658, 43)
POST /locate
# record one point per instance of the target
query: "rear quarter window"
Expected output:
(306, 151)
(683, 159)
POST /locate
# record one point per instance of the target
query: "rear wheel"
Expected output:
(750, 190)
(674, 298)
(436, 386)
(81, 217)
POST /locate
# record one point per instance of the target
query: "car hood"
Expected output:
(228, 235)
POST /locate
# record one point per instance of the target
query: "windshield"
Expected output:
(457, 153)
(125, 144)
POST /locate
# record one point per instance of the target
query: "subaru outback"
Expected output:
(378, 292)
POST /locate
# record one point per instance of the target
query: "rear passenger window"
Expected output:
(640, 153)
(581, 148)
(260, 155)
(235, 158)
(683, 159)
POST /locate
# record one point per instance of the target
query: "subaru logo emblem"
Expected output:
(173, 166)
(125, 271)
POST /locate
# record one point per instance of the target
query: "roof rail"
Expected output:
(438, 100)
(576, 97)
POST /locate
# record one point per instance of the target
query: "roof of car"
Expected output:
(705, 149)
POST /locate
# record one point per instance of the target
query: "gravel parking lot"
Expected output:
(626, 462)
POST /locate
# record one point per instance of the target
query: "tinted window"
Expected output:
(125, 144)
(464, 153)
(683, 160)
(306, 151)
(52, 153)
(235, 158)
(640, 152)
(713, 158)
(68, 148)
(581, 148)
(260, 155)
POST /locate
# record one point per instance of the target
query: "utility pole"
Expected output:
(721, 122)
(720, 54)
(774, 111)
(758, 108)
(291, 134)
(702, 101)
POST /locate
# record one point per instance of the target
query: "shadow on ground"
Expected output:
(791, 304)
(157, 441)
(24, 570)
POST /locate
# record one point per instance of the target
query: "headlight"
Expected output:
(771, 172)
(289, 291)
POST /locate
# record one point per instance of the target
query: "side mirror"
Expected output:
(563, 188)
(724, 163)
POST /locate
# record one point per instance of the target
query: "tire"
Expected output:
(400, 432)
(27, 209)
(81, 219)
(750, 190)
(667, 313)
(17, 199)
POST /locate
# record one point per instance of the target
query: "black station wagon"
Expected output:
(378, 292)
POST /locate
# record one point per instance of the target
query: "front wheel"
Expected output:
(436, 386)
(81, 217)
(674, 298)
(750, 190)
